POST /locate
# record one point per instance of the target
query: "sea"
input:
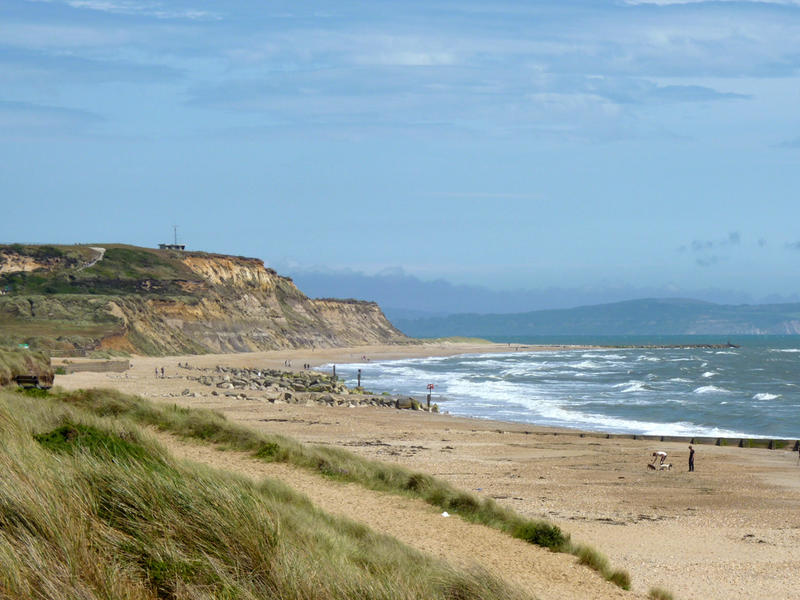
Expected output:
(752, 390)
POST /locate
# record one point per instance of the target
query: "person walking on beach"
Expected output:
(691, 458)
(162, 372)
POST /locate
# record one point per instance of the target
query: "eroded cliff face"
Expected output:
(225, 304)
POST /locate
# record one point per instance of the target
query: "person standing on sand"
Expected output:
(691, 458)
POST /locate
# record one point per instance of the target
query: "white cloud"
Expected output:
(137, 7)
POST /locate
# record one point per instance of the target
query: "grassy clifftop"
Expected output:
(111, 297)
(33, 270)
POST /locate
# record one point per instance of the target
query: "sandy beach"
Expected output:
(731, 529)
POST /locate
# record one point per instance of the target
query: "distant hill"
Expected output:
(113, 297)
(634, 317)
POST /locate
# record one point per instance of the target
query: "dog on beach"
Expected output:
(662, 467)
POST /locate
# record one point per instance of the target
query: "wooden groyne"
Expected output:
(764, 443)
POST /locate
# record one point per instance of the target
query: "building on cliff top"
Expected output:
(174, 245)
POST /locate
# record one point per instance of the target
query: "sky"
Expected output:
(594, 145)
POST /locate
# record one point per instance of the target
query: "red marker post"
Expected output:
(430, 390)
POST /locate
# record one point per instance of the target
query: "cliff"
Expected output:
(74, 299)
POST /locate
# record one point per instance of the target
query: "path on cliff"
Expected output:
(101, 252)
(543, 574)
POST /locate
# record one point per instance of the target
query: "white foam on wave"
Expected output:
(766, 396)
(600, 353)
(790, 350)
(710, 389)
(726, 352)
(529, 369)
(708, 374)
(588, 364)
(649, 358)
(631, 387)
(680, 380)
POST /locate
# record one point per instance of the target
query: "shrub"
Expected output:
(75, 437)
(541, 534)
(658, 593)
(620, 578)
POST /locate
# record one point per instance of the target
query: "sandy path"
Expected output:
(546, 575)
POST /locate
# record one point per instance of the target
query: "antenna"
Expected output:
(175, 232)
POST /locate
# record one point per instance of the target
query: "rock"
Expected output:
(186, 392)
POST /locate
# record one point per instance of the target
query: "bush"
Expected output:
(592, 558)
(658, 593)
(540, 533)
(620, 578)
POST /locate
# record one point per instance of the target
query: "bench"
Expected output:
(30, 381)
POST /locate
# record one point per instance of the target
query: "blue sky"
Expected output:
(642, 144)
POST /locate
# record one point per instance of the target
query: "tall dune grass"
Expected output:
(337, 464)
(91, 508)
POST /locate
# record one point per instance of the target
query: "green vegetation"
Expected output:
(123, 270)
(91, 507)
(592, 558)
(341, 465)
(331, 462)
(658, 593)
(37, 252)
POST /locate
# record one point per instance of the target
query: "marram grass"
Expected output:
(335, 463)
(92, 508)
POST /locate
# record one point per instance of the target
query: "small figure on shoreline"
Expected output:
(691, 458)
(156, 371)
(659, 456)
(162, 372)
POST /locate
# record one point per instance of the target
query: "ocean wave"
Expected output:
(588, 364)
(765, 396)
(708, 374)
(632, 386)
(726, 352)
(680, 380)
(649, 358)
(710, 389)
(791, 350)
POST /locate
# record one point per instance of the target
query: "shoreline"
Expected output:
(318, 357)
(729, 530)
